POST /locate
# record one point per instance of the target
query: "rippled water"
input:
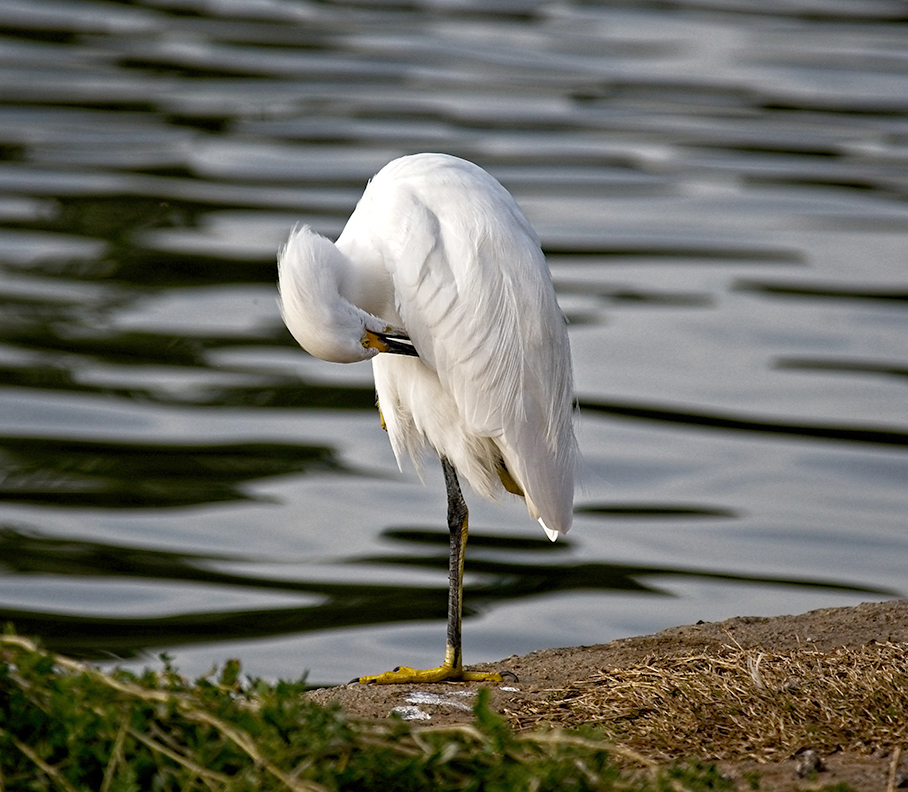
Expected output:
(721, 190)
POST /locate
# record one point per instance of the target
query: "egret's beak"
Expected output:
(394, 342)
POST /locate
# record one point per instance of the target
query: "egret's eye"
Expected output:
(372, 340)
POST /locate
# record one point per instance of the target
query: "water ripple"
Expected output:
(720, 189)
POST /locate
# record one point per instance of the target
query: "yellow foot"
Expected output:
(404, 675)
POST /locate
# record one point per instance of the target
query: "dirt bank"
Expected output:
(544, 676)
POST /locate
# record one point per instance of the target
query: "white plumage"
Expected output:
(437, 250)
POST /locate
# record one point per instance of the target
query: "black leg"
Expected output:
(458, 529)
(452, 668)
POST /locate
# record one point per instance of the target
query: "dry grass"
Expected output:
(741, 703)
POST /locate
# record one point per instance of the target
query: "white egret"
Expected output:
(438, 269)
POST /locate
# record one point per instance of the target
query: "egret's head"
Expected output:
(311, 274)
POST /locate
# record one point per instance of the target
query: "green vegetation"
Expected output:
(68, 726)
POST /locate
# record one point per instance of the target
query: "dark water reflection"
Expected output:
(775, 426)
(720, 189)
(89, 473)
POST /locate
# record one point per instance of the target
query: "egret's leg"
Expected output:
(452, 668)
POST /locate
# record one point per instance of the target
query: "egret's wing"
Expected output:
(474, 293)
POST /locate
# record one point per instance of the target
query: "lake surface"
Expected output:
(721, 187)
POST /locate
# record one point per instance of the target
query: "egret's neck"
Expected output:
(365, 280)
